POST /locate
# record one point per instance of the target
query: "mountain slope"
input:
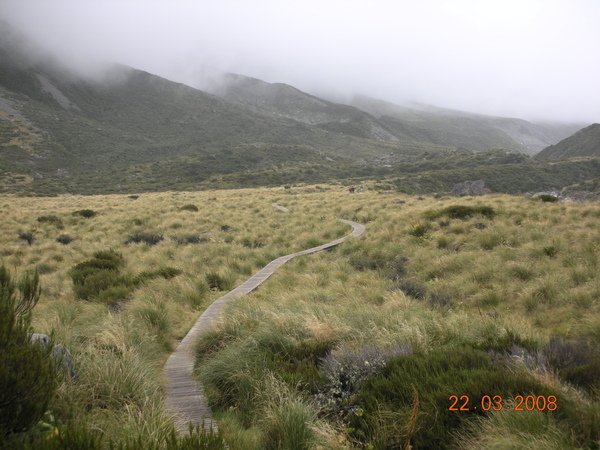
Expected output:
(584, 143)
(465, 130)
(282, 100)
(128, 130)
(375, 119)
(65, 131)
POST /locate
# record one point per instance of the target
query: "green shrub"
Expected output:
(550, 251)
(27, 237)
(218, 282)
(133, 196)
(521, 272)
(413, 289)
(430, 379)
(576, 361)
(419, 229)
(27, 372)
(163, 272)
(146, 238)
(231, 375)
(345, 369)
(397, 268)
(462, 212)
(87, 213)
(52, 220)
(102, 273)
(189, 207)
(441, 299)
(548, 198)
(189, 239)
(113, 294)
(64, 239)
(294, 360)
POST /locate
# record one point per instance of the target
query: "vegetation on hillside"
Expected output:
(585, 143)
(128, 130)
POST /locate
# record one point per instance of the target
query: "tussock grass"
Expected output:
(459, 284)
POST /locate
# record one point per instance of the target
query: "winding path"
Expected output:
(279, 207)
(184, 397)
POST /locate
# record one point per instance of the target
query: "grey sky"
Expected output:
(531, 59)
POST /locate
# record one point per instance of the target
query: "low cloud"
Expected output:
(535, 59)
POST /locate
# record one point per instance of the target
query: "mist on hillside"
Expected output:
(523, 59)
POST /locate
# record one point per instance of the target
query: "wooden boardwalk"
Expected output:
(279, 207)
(184, 396)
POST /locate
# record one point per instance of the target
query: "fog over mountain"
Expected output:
(536, 59)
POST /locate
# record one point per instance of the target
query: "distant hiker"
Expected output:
(351, 189)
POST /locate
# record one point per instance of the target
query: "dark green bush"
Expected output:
(577, 361)
(225, 228)
(64, 239)
(53, 220)
(189, 239)
(231, 377)
(419, 229)
(413, 289)
(27, 237)
(462, 212)
(164, 272)
(133, 196)
(441, 299)
(397, 268)
(95, 282)
(548, 198)
(112, 295)
(550, 251)
(345, 369)
(87, 213)
(102, 273)
(216, 281)
(429, 379)
(146, 238)
(296, 360)
(43, 268)
(189, 207)
(27, 372)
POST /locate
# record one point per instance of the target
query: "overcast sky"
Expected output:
(531, 59)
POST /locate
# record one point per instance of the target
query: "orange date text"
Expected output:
(463, 403)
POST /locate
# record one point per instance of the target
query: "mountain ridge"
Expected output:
(62, 131)
(583, 143)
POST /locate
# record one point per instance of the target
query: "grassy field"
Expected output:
(361, 346)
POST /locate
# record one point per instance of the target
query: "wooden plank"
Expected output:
(184, 396)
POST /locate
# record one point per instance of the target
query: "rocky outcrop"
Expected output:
(60, 353)
(572, 196)
(470, 188)
(582, 196)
